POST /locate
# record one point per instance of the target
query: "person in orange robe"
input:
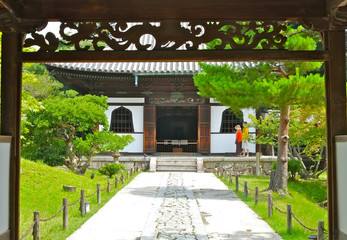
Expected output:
(238, 141)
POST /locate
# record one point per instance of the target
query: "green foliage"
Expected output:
(58, 120)
(37, 81)
(80, 113)
(41, 189)
(101, 141)
(294, 166)
(257, 86)
(305, 196)
(307, 130)
(269, 85)
(111, 169)
(42, 147)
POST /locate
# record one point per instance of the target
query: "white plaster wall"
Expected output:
(136, 146)
(225, 142)
(137, 113)
(4, 186)
(341, 166)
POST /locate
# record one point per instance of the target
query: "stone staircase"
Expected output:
(176, 164)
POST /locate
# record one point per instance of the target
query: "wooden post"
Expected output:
(256, 195)
(225, 176)
(11, 97)
(320, 230)
(335, 93)
(116, 182)
(230, 179)
(289, 218)
(131, 171)
(108, 185)
(122, 178)
(245, 189)
(237, 183)
(128, 175)
(36, 229)
(269, 205)
(98, 193)
(66, 213)
(82, 203)
(257, 163)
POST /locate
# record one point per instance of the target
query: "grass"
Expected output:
(41, 190)
(304, 198)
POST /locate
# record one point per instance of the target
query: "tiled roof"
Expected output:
(139, 67)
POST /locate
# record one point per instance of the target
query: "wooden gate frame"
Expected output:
(13, 57)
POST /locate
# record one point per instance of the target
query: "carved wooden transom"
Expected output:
(161, 36)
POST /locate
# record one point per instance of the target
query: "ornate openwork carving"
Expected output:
(176, 100)
(165, 35)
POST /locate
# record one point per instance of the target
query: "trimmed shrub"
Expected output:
(294, 166)
(111, 169)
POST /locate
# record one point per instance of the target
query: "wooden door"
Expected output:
(204, 129)
(149, 133)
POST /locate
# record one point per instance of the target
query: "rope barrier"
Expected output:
(310, 229)
(103, 189)
(91, 195)
(73, 204)
(283, 212)
(47, 219)
(27, 233)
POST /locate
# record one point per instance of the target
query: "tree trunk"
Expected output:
(81, 170)
(70, 162)
(279, 181)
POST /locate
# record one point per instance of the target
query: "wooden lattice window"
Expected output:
(230, 120)
(121, 121)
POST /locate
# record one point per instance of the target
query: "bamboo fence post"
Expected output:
(230, 179)
(320, 230)
(245, 189)
(82, 203)
(108, 185)
(289, 218)
(116, 182)
(237, 183)
(256, 195)
(36, 229)
(269, 205)
(66, 213)
(98, 193)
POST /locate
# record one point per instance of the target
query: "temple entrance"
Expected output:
(177, 129)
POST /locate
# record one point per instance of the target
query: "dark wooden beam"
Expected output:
(335, 86)
(175, 56)
(10, 5)
(11, 87)
(171, 9)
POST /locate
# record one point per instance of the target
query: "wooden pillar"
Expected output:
(11, 91)
(149, 131)
(335, 86)
(204, 129)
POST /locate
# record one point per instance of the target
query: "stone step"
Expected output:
(176, 169)
(176, 163)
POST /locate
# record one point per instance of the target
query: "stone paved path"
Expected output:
(168, 206)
